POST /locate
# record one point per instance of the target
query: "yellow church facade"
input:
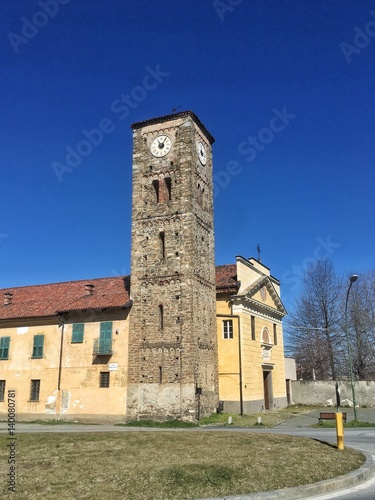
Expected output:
(250, 339)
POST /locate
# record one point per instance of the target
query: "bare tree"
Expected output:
(361, 326)
(314, 327)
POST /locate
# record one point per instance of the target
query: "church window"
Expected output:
(227, 329)
(274, 334)
(252, 327)
(266, 336)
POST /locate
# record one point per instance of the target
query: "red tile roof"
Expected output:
(49, 300)
(226, 278)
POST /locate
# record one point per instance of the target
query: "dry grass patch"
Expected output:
(166, 465)
(270, 418)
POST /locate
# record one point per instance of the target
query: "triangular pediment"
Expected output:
(263, 295)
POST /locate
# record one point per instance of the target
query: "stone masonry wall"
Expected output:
(172, 340)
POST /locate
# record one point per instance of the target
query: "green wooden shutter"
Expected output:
(38, 346)
(77, 333)
(4, 347)
(105, 343)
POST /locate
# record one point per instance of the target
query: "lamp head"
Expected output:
(353, 278)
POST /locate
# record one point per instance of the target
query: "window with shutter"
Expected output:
(38, 346)
(4, 347)
(77, 333)
(105, 340)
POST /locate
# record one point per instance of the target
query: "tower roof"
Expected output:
(173, 116)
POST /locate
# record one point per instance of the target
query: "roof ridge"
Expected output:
(65, 282)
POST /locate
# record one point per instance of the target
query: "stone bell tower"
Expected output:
(172, 341)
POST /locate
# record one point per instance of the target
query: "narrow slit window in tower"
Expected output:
(156, 187)
(162, 244)
(161, 317)
(168, 185)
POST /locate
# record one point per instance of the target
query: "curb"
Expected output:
(350, 479)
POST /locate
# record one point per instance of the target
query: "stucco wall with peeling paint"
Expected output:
(324, 393)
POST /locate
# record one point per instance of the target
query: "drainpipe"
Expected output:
(62, 324)
(239, 354)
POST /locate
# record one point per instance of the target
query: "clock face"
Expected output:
(202, 153)
(161, 146)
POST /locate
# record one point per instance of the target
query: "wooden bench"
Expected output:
(330, 416)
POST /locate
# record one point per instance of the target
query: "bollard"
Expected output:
(339, 431)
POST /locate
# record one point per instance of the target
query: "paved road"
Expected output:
(360, 438)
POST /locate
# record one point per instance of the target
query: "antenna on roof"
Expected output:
(175, 109)
(258, 250)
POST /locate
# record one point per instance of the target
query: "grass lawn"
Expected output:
(269, 419)
(347, 425)
(165, 465)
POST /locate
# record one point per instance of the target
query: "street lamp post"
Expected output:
(353, 278)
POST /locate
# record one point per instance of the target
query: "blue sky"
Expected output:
(285, 87)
